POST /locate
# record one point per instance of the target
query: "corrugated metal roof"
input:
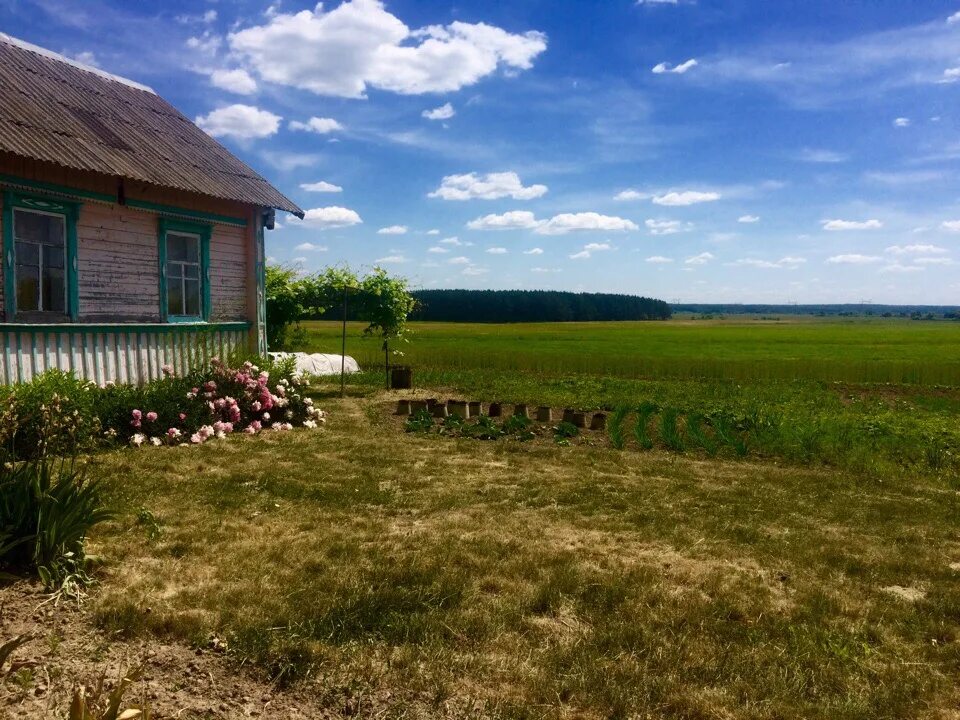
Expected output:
(56, 110)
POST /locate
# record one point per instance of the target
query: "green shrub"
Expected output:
(485, 428)
(421, 421)
(47, 507)
(55, 414)
(565, 430)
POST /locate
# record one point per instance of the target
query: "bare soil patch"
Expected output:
(178, 681)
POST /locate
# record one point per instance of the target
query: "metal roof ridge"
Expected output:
(50, 54)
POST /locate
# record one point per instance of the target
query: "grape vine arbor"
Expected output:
(382, 301)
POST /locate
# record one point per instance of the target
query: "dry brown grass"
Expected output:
(439, 577)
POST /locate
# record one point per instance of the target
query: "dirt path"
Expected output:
(67, 651)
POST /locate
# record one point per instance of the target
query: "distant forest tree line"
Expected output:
(917, 312)
(498, 306)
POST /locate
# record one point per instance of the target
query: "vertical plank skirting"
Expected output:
(133, 354)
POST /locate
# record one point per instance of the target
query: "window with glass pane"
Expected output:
(39, 249)
(183, 274)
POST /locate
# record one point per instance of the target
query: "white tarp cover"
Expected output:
(319, 363)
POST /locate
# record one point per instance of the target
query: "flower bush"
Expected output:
(59, 414)
(217, 402)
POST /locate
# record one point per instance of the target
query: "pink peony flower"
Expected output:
(196, 438)
(151, 416)
(256, 425)
(173, 433)
(167, 370)
(266, 417)
(136, 414)
(183, 416)
(255, 406)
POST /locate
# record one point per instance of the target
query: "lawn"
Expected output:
(427, 576)
(790, 552)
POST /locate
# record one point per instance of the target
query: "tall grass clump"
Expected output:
(47, 508)
(697, 432)
(670, 430)
(615, 426)
(645, 411)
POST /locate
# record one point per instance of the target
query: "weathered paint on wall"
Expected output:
(118, 273)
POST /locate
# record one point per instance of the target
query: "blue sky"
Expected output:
(708, 150)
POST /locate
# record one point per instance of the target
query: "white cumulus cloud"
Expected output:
(624, 195)
(533, 251)
(240, 121)
(460, 260)
(901, 122)
(391, 260)
(840, 225)
(686, 197)
(701, 259)
(454, 241)
(919, 249)
(557, 225)
(513, 220)
(571, 222)
(310, 247)
(899, 268)
(749, 219)
(661, 68)
(497, 251)
(436, 249)
(329, 217)
(789, 262)
(853, 259)
(950, 225)
(822, 156)
(393, 230)
(491, 186)
(359, 44)
(444, 112)
(658, 260)
(319, 125)
(321, 186)
(666, 227)
(235, 81)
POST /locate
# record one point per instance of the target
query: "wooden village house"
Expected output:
(131, 239)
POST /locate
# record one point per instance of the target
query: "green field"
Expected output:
(845, 349)
(867, 395)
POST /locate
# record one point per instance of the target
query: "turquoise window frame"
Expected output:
(71, 213)
(203, 231)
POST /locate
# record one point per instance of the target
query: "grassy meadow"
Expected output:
(862, 350)
(767, 529)
(870, 395)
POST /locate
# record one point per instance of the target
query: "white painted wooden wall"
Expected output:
(122, 354)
